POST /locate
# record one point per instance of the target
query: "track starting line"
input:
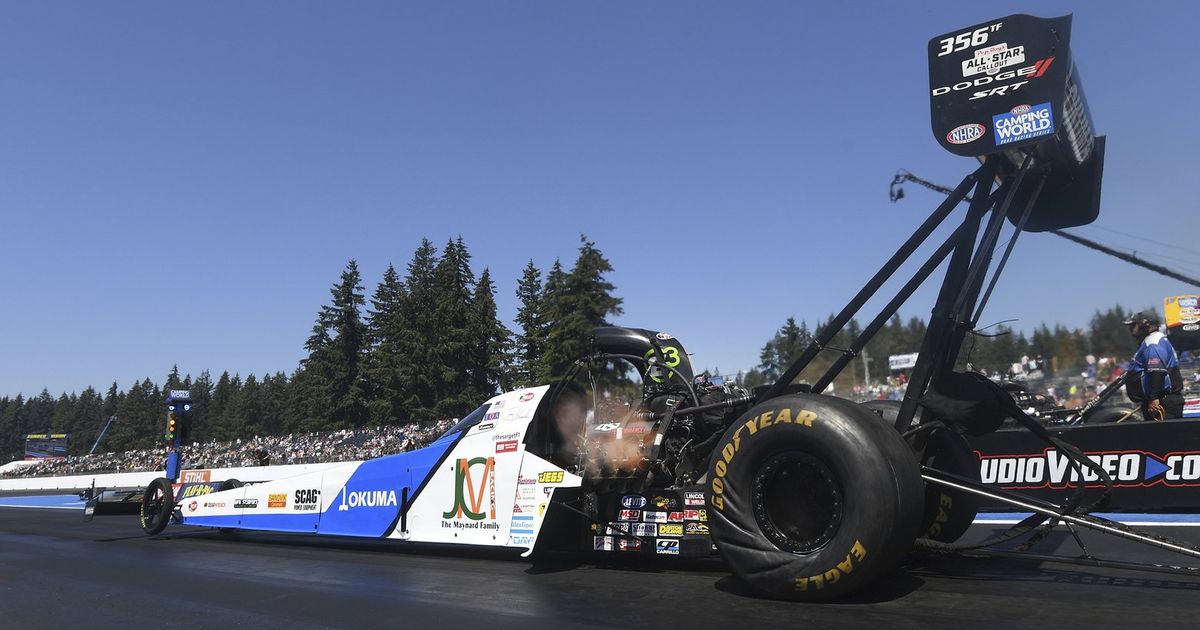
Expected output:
(73, 502)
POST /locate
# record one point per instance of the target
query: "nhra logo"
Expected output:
(1128, 469)
(468, 500)
(964, 134)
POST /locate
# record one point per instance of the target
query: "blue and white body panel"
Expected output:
(475, 487)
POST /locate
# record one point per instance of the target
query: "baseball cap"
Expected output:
(1137, 318)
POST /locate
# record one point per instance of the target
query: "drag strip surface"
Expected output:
(58, 571)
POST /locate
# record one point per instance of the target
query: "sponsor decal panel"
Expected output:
(665, 503)
(675, 517)
(196, 490)
(246, 504)
(474, 481)
(1128, 469)
(492, 415)
(654, 517)
(306, 500)
(192, 506)
(527, 396)
(691, 515)
(1022, 123)
(693, 498)
(507, 446)
(667, 547)
(214, 504)
(550, 476)
(695, 529)
(965, 134)
(670, 529)
(366, 498)
(629, 515)
(277, 500)
(196, 476)
(603, 543)
(633, 502)
(1000, 83)
(629, 544)
(992, 59)
(644, 529)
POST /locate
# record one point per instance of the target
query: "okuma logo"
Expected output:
(366, 498)
(468, 496)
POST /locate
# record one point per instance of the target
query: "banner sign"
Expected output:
(1183, 321)
(902, 361)
(46, 445)
(1155, 466)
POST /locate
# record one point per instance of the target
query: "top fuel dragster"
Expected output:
(805, 496)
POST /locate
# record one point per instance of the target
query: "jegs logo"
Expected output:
(468, 502)
(1128, 469)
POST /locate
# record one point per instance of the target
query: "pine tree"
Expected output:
(349, 404)
(330, 385)
(554, 307)
(491, 367)
(575, 305)
(417, 334)
(219, 421)
(385, 326)
(202, 400)
(778, 353)
(529, 342)
(452, 352)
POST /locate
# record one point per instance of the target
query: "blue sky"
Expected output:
(183, 182)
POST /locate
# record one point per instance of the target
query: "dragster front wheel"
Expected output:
(157, 504)
(812, 497)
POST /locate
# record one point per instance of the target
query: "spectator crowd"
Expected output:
(293, 448)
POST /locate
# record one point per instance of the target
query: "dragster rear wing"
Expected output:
(1009, 88)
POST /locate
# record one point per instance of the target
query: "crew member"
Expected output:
(1158, 367)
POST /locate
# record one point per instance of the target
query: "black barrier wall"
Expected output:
(1155, 466)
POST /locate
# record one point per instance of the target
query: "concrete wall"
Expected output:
(120, 480)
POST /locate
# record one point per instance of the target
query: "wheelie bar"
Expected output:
(1089, 521)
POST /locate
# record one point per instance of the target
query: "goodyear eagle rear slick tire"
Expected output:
(811, 497)
(157, 503)
(948, 513)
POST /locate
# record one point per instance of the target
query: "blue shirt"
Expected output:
(1156, 354)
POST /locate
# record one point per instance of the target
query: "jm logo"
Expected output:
(468, 499)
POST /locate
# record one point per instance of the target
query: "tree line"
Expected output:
(429, 345)
(425, 346)
(1063, 350)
